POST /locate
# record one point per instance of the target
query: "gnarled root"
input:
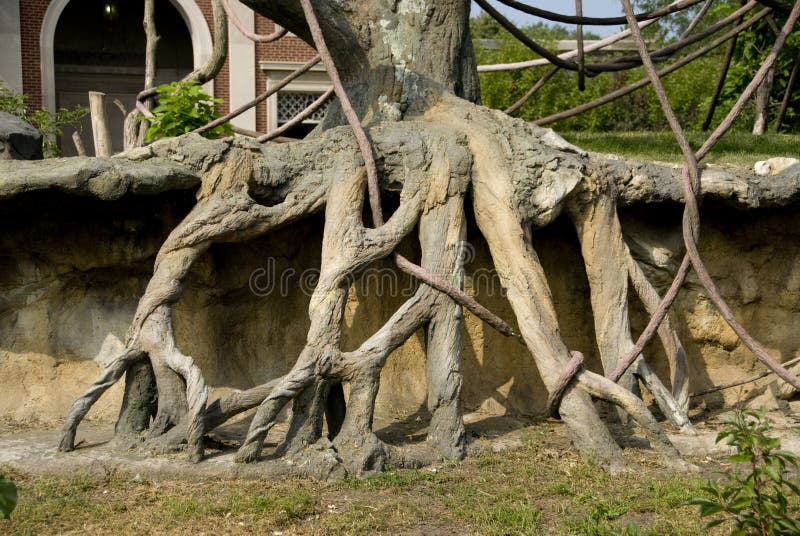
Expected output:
(604, 251)
(112, 373)
(508, 198)
(520, 178)
(347, 247)
(231, 217)
(605, 389)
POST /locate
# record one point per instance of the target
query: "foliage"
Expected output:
(48, 123)
(182, 107)
(8, 497)
(689, 88)
(754, 497)
(751, 49)
(596, 523)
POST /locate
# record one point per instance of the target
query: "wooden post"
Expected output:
(76, 139)
(102, 138)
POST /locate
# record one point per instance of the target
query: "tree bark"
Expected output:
(151, 49)
(102, 138)
(762, 104)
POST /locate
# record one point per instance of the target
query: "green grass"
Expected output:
(539, 488)
(737, 148)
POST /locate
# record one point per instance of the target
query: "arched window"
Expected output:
(99, 45)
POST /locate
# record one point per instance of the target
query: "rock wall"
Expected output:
(72, 269)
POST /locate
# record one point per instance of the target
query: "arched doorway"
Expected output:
(98, 45)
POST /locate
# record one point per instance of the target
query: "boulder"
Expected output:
(18, 139)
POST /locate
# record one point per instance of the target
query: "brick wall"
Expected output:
(31, 14)
(222, 82)
(288, 48)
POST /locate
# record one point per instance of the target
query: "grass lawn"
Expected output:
(738, 148)
(541, 487)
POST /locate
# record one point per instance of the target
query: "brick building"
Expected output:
(59, 50)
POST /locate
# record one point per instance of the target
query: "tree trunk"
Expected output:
(151, 50)
(762, 104)
(390, 54)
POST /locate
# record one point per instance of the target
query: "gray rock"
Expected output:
(18, 139)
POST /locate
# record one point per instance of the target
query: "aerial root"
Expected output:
(360, 451)
(676, 355)
(565, 378)
(605, 389)
(81, 406)
(604, 251)
(233, 217)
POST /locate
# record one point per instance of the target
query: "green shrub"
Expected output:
(8, 497)
(754, 495)
(48, 123)
(689, 88)
(182, 107)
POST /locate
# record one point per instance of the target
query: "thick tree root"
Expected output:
(345, 251)
(504, 209)
(112, 373)
(216, 217)
(520, 177)
(604, 251)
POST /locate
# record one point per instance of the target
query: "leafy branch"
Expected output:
(182, 107)
(754, 496)
(48, 123)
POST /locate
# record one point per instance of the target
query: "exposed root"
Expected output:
(605, 389)
(217, 217)
(112, 373)
(518, 182)
(157, 338)
(232, 404)
(676, 355)
(501, 204)
(604, 251)
(347, 247)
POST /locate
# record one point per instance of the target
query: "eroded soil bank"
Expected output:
(72, 268)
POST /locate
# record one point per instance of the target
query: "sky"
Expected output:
(594, 8)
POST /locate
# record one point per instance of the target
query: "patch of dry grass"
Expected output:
(540, 488)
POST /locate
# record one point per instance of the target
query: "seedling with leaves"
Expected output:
(755, 495)
(182, 107)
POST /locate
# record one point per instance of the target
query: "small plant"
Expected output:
(8, 497)
(48, 123)
(182, 107)
(754, 497)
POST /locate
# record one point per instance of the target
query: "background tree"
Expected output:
(689, 88)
